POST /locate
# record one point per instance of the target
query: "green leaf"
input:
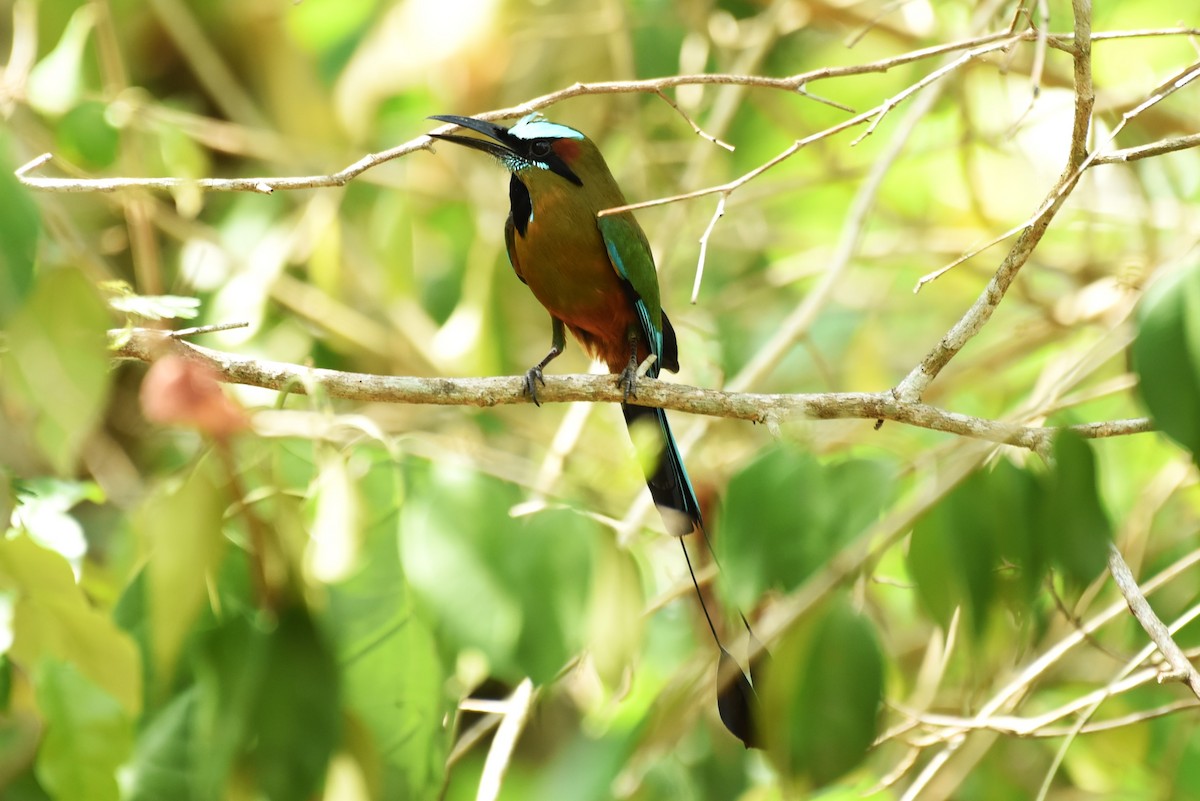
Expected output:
(229, 664)
(180, 526)
(24, 787)
(616, 621)
(58, 362)
(295, 721)
(933, 564)
(88, 735)
(1014, 495)
(1076, 528)
(392, 677)
(53, 619)
(516, 590)
(1166, 356)
(86, 136)
(335, 532)
(56, 83)
(952, 552)
(163, 757)
(983, 538)
(791, 514)
(823, 688)
(20, 227)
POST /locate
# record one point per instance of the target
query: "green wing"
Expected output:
(630, 255)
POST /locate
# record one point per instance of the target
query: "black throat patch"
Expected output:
(520, 204)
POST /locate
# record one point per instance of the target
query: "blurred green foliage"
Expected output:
(994, 536)
(339, 602)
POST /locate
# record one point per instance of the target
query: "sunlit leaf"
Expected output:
(322, 26)
(616, 622)
(53, 619)
(392, 676)
(59, 363)
(56, 82)
(44, 513)
(336, 531)
(180, 526)
(157, 307)
(88, 734)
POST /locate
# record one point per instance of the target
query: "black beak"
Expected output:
(493, 145)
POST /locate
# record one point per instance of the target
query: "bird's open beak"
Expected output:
(494, 144)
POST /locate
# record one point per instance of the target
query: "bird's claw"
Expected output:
(627, 380)
(533, 376)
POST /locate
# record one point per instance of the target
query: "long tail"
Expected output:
(669, 484)
(737, 699)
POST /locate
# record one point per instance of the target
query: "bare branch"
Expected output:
(796, 84)
(916, 382)
(718, 213)
(148, 344)
(1182, 668)
(515, 710)
(874, 115)
(1148, 151)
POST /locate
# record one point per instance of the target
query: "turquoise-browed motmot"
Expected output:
(595, 276)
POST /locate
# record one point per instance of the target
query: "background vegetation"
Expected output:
(238, 593)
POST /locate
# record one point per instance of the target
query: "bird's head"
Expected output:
(533, 143)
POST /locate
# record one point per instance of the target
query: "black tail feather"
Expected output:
(671, 489)
(669, 484)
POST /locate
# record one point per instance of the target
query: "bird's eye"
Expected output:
(541, 148)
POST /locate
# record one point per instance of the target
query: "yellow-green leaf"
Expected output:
(180, 526)
(88, 735)
(58, 362)
(53, 619)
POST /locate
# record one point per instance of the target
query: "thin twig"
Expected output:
(1106, 692)
(499, 755)
(1147, 151)
(1066, 183)
(874, 116)
(695, 128)
(718, 213)
(795, 84)
(184, 333)
(1036, 728)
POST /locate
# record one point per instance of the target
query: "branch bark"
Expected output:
(1182, 668)
(146, 344)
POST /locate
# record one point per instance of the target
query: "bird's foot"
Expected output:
(627, 379)
(533, 376)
